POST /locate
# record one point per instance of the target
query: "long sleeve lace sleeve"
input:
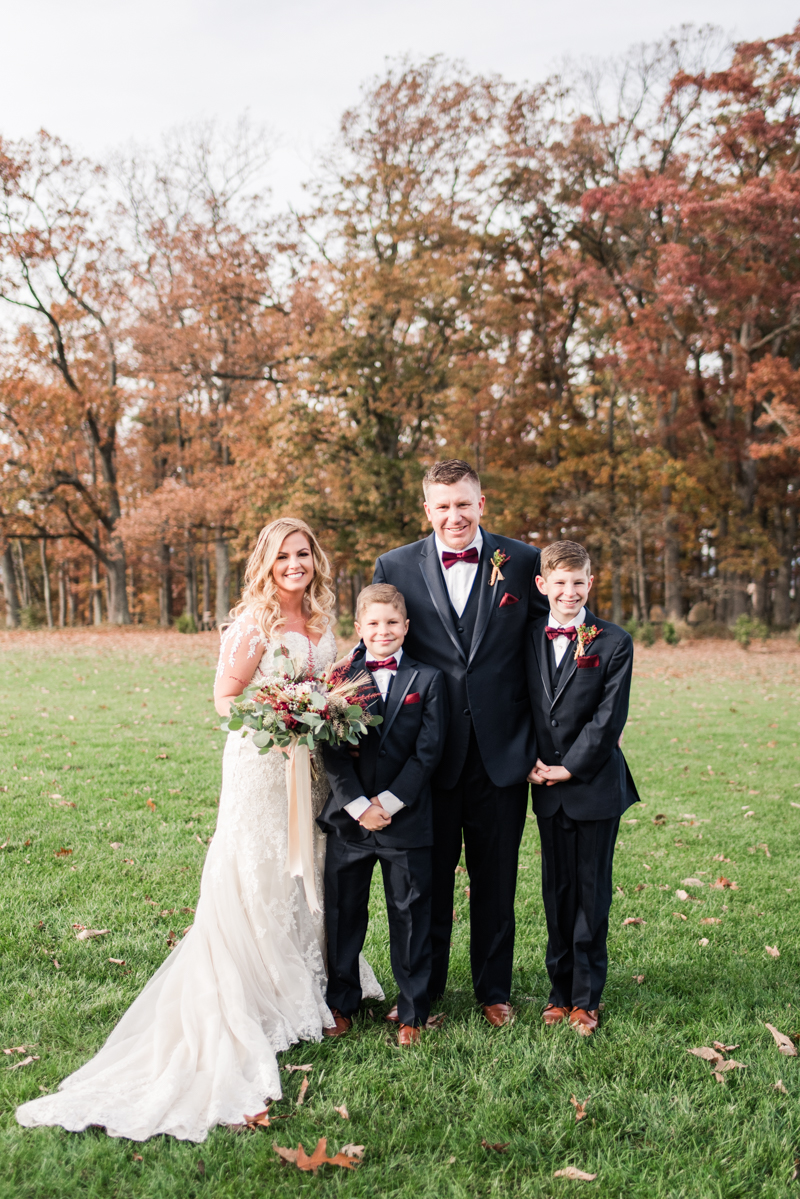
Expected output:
(240, 651)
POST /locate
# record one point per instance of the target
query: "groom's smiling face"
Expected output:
(455, 510)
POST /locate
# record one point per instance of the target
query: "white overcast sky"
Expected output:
(99, 73)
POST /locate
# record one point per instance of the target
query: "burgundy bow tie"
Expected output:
(386, 664)
(570, 632)
(449, 558)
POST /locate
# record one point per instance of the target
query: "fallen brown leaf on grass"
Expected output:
(16, 1049)
(62, 852)
(633, 920)
(707, 1054)
(498, 1146)
(116, 844)
(780, 1087)
(303, 1089)
(642, 886)
(343, 1112)
(298, 1157)
(730, 1065)
(638, 978)
(137, 1157)
(580, 1108)
(117, 961)
(785, 1046)
(358, 1151)
(259, 1120)
(719, 858)
(162, 755)
(461, 870)
(435, 1021)
(151, 805)
(723, 883)
(66, 803)
(26, 1061)
(660, 819)
(703, 942)
(773, 951)
(83, 933)
(575, 1174)
(792, 804)
(291, 1069)
(725, 1048)
(711, 920)
(692, 882)
(680, 915)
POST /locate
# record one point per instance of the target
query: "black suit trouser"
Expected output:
(577, 857)
(491, 820)
(407, 885)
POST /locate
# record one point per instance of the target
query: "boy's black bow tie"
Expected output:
(386, 664)
(570, 633)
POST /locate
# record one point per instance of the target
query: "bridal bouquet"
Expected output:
(296, 711)
(300, 708)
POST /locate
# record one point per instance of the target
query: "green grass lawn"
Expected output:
(113, 725)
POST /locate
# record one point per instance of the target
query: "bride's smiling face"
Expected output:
(293, 569)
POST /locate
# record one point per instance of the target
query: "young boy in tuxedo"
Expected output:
(379, 810)
(579, 673)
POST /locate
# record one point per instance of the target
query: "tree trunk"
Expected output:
(617, 611)
(48, 603)
(62, 595)
(10, 588)
(785, 537)
(673, 608)
(164, 586)
(190, 574)
(70, 600)
(740, 603)
(761, 596)
(223, 566)
(206, 604)
(641, 574)
(24, 581)
(97, 603)
(118, 610)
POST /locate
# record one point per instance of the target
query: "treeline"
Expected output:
(589, 288)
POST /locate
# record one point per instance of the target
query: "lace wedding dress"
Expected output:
(197, 1047)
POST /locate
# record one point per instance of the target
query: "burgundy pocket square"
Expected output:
(588, 660)
(507, 599)
(412, 698)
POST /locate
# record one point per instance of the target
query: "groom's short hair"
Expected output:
(381, 593)
(449, 472)
(569, 555)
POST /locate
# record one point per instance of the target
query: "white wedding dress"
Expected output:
(197, 1047)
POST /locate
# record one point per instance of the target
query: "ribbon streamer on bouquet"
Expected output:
(300, 853)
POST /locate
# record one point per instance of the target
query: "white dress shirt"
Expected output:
(461, 575)
(560, 643)
(390, 803)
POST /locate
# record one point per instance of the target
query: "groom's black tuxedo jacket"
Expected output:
(579, 714)
(399, 755)
(484, 671)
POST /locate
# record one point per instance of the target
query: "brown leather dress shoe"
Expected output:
(498, 1014)
(342, 1024)
(408, 1035)
(553, 1014)
(584, 1022)
(392, 1015)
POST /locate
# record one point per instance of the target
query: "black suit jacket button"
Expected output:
(554, 723)
(460, 630)
(382, 753)
(556, 752)
(466, 711)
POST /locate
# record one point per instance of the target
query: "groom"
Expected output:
(469, 620)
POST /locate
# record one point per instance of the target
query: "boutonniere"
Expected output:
(586, 635)
(498, 559)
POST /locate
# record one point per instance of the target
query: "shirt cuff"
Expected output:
(390, 803)
(357, 807)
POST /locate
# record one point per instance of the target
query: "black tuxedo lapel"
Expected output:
(399, 690)
(431, 569)
(542, 651)
(572, 666)
(488, 597)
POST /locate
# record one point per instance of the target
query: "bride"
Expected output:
(197, 1048)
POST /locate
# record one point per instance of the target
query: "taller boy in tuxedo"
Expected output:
(379, 810)
(579, 672)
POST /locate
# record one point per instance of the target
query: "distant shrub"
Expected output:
(647, 634)
(747, 628)
(186, 623)
(631, 626)
(31, 617)
(670, 633)
(344, 625)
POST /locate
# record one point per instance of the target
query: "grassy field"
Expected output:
(109, 766)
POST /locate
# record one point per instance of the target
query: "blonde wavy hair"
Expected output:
(260, 594)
